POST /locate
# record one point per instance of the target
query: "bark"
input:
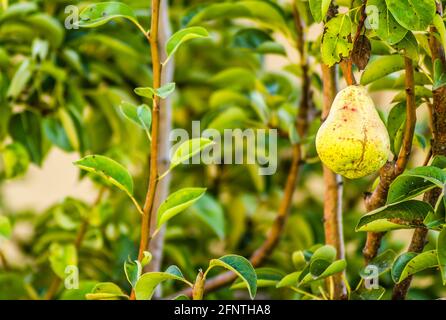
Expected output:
(165, 126)
(394, 168)
(333, 189)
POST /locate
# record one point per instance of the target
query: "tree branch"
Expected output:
(153, 170)
(393, 169)
(438, 113)
(333, 188)
(165, 125)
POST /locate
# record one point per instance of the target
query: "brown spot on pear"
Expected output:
(353, 141)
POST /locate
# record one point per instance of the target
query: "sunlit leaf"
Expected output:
(147, 283)
(181, 36)
(106, 291)
(403, 215)
(241, 267)
(62, 256)
(108, 169)
(98, 14)
(410, 263)
(178, 202)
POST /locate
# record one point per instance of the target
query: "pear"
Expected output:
(353, 141)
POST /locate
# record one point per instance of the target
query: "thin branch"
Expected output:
(347, 63)
(393, 169)
(347, 70)
(333, 189)
(153, 170)
(165, 125)
(438, 114)
(303, 119)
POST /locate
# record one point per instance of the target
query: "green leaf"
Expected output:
(263, 12)
(367, 294)
(435, 220)
(290, 280)
(395, 125)
(410, 263)
(145, 117)
(106, 291)
(85, 287)
(5, 227)
(226, 98)
(162, 92)
(409, 47)
(321, 259)
(18, 10)
(439, 162)
(48, 27)
(333, 268)
(61, 256)
(108, 169)
(211, 212)
(298, 259)
(97, 14)
(235, 78)
(181, 36)
(241, 267)
(140, 115)
(439, 75)
(258, 41)
(147, 283)
(441, 29)
(415, 182)
(381, 67)
(335, 43)
(20, 79)
(15, 160)
(55, 132)
(402, 215)
(187, 150)
(146, 259)
(420, 92)
(383, 262)
(132, 270)
(177, 202)
(319, 9)
(414, 15)
(266, 277)
(26, 128)
(388, 29)
(441, 253)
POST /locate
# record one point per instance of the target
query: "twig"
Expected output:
(302, 121)
(438, 113)
(153, 170)
(165, 124)
(347, 63)
(333, 182)
(394, 168)
(347, 70)
(147, 217)
(333, 189)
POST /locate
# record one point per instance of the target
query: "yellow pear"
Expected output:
(353, 141)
